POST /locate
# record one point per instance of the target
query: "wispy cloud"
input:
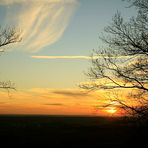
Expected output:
(54, 104)
(2, 102)
(61, 93)
(71, 93)
(42, 21)
(6, 2)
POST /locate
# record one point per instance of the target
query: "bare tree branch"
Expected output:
(129, 39)
(8, 36)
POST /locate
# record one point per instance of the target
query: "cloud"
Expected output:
(8, 2)
(60, 94)
(61, 57)
(76, 57)
(42, 22)
(2, 102)
(54, 104)
(71, 93)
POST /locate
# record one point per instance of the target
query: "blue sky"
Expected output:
(80, 36)
(61, 34)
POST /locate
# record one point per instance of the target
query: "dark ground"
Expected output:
(69, 131)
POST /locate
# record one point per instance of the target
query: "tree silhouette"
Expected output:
(122, 64)
(8, 36)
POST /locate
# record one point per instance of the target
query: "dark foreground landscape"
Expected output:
(69, 131)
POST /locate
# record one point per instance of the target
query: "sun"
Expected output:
(111, 110)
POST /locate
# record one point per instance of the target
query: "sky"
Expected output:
(47, 66)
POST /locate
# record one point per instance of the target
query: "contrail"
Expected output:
(75, 57)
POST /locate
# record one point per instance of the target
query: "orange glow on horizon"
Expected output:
(57, 101)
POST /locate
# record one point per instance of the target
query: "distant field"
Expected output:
(69, 130)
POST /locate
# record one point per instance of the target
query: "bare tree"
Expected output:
(122, 65)
(8, 36)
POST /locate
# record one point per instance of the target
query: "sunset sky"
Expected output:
(58, 37)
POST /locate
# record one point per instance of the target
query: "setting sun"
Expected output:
(111, 110)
